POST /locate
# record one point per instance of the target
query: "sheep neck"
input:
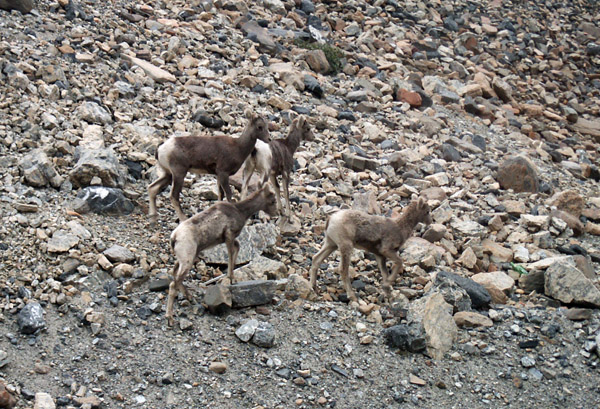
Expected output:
(250, 206)
(409, 217)
(293, 140)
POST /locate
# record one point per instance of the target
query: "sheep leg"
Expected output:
(233, 247)
(398, 267)
(328, 247)
(275, 183)
(180, 271)
(223, 182)
(176, 188)
(249, 167)
(346, 252)
(154, 190)
(285, 179)
(387, 288)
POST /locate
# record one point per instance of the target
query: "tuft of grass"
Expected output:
(333, 54)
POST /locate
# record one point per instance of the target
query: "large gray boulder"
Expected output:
(24, 6)
(566, 283)
(101, 163)
(253, 240)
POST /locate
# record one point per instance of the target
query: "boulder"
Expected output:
(569, 201)
(264, 336)
(440, 328)
(518, 174)
(24, 6)
(564, 282)
(406, 337)
(119, 254)
(498, 279)
(101, 163)
(298, 287)
(38, 170)
(103, 200)
(480, 298)
(253, 240)
(93, 113)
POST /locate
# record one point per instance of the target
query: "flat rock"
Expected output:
(43, 400)
(564, 282)
(93, 113)
(119, 254)
(472, 319)
(252, 293)
(261, 268)
(62, 241)
(24, 6)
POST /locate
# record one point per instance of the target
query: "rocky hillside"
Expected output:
(487, 109)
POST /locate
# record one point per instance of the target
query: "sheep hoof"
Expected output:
(153, 220)
(170, 321)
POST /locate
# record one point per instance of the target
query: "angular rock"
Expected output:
(298, 287)
(358, 163)
(454, 294)
(252, 293)
(43, 401)
(253, 240)
(62, 241)
(102, 200)
(38, 170)
(569, 201)
(261, 36)
(564, 282)
(264, 336)
(119, 254)
(31, 318)
(261, 268)
(472, 319)
(573, 222)
(440, 328)
(246, 331)
(518, 174)
(217, 298)
(93, 113)
(435, 232)
(498, 279)
(101, 163)
(317, 61)
(406, 337)
(533, 281)
(480, 298)
(156, 73)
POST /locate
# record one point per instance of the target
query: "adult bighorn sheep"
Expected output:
(277, 158)
(382, 236)
(220, 223)
(219, 155)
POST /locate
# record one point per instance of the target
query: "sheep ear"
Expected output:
(301, 121)
(414, 196)
(248, 113)
(421, 203)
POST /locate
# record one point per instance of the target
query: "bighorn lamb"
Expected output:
(382, 236)
(277, 158)
(220, 223)
(220, 155)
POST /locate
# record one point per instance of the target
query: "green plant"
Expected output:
(333, 54)
(519, 269)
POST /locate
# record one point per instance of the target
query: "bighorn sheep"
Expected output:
(220, 155)
(277, 158)
(220, 223)
(382, 236)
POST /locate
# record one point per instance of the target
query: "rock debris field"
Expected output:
(487, 109)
